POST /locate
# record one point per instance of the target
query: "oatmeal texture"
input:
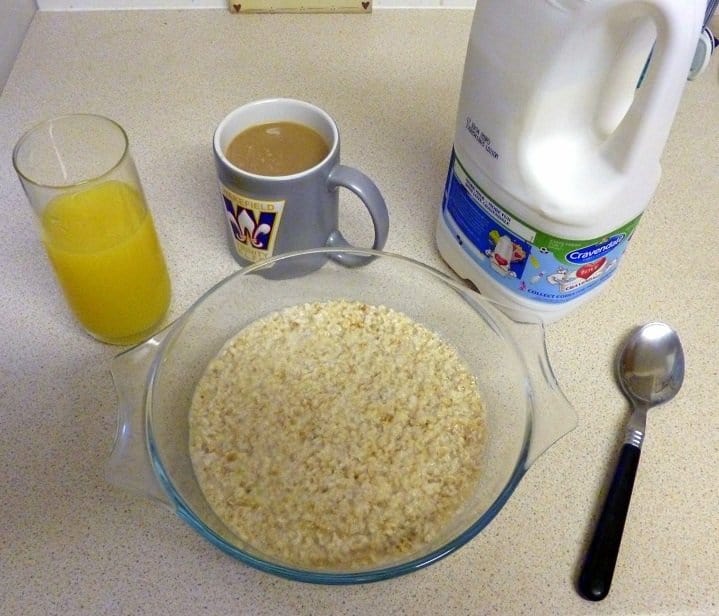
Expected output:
(336, 434)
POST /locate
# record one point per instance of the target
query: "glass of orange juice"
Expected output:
(81, 181)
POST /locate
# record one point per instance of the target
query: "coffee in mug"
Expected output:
(277, 148)
(278, 162)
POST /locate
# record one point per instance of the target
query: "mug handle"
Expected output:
(356, 181)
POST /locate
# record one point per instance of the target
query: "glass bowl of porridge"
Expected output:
(338, 424)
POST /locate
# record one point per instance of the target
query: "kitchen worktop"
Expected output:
(72, 544)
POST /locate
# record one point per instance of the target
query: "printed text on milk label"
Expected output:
(523, 259)
(480, 137)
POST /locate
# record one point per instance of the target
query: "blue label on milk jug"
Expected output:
(523, 259)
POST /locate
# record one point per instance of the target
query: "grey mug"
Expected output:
(272, 215)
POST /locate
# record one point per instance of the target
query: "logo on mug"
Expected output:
(253, 224)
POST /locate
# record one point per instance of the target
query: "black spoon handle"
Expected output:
(596, 574)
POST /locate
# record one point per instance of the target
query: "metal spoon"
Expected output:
(650, 371)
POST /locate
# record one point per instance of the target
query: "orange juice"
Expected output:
(103, 247)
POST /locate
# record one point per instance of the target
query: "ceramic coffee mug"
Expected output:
(269, 215)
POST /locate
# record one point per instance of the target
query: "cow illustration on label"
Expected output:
(505, 252)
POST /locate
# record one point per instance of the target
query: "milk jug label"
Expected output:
(524, 259)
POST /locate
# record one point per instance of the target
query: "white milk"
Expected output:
(557, 150)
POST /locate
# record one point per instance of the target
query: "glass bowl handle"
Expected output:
(553, 416)
(129, 466)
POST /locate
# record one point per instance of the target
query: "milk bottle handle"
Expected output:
(645, 128)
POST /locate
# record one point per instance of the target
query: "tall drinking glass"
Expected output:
(81, 181)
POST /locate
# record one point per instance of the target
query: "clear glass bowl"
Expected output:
(526, 410)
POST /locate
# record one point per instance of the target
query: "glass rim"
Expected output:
(38, 125)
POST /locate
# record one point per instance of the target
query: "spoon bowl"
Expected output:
(650, 370)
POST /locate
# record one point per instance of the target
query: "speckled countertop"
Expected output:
(71, 544)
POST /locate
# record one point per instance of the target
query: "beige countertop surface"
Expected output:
(72, 544)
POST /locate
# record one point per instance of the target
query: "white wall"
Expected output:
(83, 5)
(65, 5)
(15, 17)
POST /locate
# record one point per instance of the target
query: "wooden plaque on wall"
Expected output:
(300, 6)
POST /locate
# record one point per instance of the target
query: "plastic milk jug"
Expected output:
(561, 125)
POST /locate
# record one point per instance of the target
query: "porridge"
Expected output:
(336, 434)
